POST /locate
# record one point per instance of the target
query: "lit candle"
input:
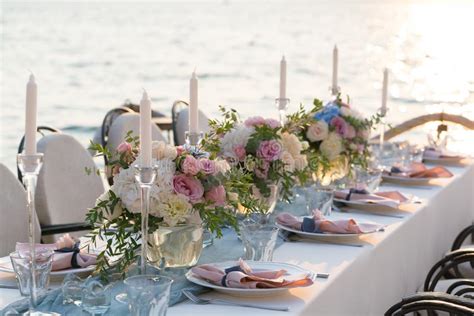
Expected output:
(193, 104)
(145, 130)
(383, 109)
(30, 121)
(282, 83)
(334, 89)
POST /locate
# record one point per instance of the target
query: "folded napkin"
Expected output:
(243, 277)
(419, 170)
(66, 253)
(318, 224)
(440, 153)
(388, 198)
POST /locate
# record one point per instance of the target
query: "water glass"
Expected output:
(21, 262)
(71, 288)
(319, 198)
(367, 179)
(148, 295)
(259, 239)
(95, 298)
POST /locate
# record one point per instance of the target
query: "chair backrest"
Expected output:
(13, 212)
(125, 123)
(65, 191)
(181, 124)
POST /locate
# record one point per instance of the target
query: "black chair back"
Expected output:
(177, 107)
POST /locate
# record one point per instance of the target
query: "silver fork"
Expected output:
(202, 301)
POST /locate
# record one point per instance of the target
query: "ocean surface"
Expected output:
(91, 56)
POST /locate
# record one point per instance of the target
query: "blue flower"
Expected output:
(327, 113)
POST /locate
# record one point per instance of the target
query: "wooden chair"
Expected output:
(14, 223)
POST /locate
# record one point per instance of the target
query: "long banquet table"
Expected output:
(363, 280)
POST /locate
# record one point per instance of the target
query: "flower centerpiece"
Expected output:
(337, 135)
(190, 188)
(260, 149)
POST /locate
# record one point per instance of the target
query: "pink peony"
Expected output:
(340, 125)
(254, 121)
(207, 166)
(190, 165)
(124, 147)
(189, 187)
(269, 150)
(272, 123)
(240, 152)
(217, 195)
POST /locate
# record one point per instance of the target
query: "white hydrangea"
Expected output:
(239, 136)
(332, 146)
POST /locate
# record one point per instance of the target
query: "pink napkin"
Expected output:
(419, 170)
(318, 224)
(243, 277)
(438, 153)
(388, 198)
(66, 253)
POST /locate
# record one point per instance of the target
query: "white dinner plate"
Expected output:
(291, 270)
(6, 266)
(366, 206)
(406, 180)
(326, 235)
(444, 160)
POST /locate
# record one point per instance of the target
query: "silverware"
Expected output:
(202, 301)
(322, 275)
(291, 237)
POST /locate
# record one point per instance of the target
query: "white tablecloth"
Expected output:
(364, 280)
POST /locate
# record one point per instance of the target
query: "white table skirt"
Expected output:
(366, 280)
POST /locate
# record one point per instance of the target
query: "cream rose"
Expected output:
(291, 143)
(288, 160)
(160, 150)
(301, 162)
(317, 131)
(176, 208)
(332, 146)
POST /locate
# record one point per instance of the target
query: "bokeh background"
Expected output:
(91, 56)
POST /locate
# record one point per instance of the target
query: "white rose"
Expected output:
(288, 160)
(176, 208)
(160, 150)
(291, 143)
(222, 166)
(332, 146)
(301, 162)
(238, 136)
(126, 188)
(110, 214)
(317, 131)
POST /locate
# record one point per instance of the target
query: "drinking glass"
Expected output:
(320, 198)
(367, 179)
(259, 239)
(148, 295)
(95, 298)
(21, 262)
(71, 288)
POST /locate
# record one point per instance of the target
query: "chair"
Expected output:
(180, 117)
(432, 303)
(14, 223)
(64, 190)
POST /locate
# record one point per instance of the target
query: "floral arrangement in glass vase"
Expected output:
(259, 148)
(337, 135)
(190, 187)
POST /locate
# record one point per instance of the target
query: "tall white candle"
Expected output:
(30, 118)
(334, 70)
(193, 104)
(283, 81)
(145, 130)
(383, 109)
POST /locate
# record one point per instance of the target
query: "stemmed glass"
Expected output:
(282, 106)
(30, 166)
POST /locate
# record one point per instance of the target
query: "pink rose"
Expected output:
(207, 166)
(190, 165)
(217, 195)
(254, 121)
(351, 132)
(272, 123)
(269, 150)
(340, 125)
(261, 171)
(124, 147)
(240, 152)
(190, 187)
(180, 150)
